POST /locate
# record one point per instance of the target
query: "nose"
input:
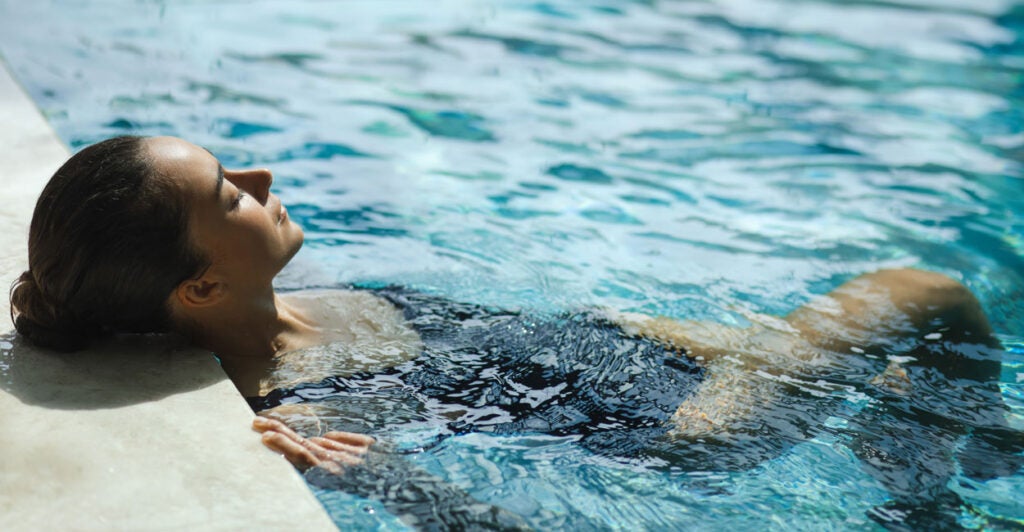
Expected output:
(256, 182)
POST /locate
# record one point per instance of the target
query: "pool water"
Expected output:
(700, 160)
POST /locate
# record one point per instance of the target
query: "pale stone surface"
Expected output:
(139, 434)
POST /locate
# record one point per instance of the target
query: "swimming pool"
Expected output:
(699, 160)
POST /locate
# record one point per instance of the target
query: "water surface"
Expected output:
(699, 160)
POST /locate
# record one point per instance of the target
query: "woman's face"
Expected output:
(234, 219)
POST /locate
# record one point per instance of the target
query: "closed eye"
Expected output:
(238, 200)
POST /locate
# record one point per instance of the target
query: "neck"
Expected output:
(249, 334)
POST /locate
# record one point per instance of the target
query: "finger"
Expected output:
(332, 445)
(300, 456)
(333, 468)
(341, 458)
(264, 424)
(326, 454)
(350, 438)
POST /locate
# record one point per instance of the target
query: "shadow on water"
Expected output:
(118, 373)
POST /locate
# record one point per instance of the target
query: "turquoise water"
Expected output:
(699, 160)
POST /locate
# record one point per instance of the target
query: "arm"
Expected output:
(874, 310)
(703, 341)
(887, 312)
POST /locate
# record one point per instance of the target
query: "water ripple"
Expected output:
(695, 159)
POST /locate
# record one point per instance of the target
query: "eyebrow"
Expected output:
(220, 175)
(220, 181)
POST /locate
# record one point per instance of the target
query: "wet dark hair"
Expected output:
(108, 243)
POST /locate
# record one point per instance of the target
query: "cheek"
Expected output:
(258, 237)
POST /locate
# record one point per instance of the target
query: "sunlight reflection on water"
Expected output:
(693, 159)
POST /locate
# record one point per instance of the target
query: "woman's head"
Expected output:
(119, 229)
(233, 218)
(107, 243)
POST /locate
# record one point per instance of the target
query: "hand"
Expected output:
(332, 452)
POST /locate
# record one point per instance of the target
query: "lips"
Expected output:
(282, 213)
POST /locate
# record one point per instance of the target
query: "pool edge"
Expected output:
(79, 454)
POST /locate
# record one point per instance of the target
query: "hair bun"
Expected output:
(44, 325)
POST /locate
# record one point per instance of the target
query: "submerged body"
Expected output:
(504, 372)
(623, 386)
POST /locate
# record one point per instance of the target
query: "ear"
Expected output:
(200, 293)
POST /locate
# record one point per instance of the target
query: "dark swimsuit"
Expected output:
(505, 372)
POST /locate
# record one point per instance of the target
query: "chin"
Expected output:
(299, 240)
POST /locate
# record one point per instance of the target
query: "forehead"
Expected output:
(193, 168)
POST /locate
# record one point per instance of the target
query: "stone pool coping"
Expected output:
(137, 435)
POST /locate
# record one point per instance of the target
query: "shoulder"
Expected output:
(332, 307)
(359, 332)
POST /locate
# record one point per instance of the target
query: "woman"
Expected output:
(144, 235)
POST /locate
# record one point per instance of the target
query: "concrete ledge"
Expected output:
(139, 434)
